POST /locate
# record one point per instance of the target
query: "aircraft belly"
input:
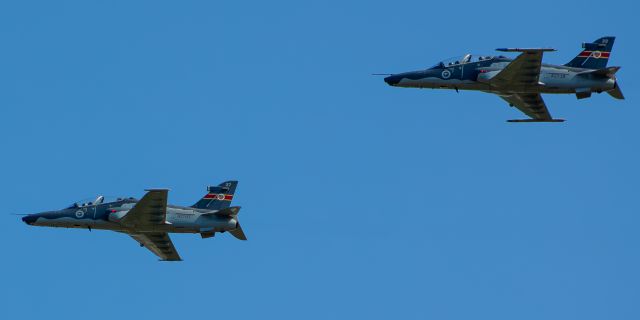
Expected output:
(105, 225)
(472, 86)
(63, 222)
(68, 222)
(197, 227)
(557, 90)
(216, 223)
(438, 83)
(169, 228)
(194, 224)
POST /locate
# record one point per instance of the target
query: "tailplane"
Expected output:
(594, 55)
(616, 92)
(238, 233)
(217, 197)
(231, 212)
(227, 213)
(610, 73)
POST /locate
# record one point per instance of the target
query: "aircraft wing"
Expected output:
(523, 71)
(530, 104)
(159, 243)
(150, 210)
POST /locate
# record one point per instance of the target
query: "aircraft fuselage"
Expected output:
(477, 75)
(107, 216)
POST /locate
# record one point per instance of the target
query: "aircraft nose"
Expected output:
(392, 80)
(30, 219)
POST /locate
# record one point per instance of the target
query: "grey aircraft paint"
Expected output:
(520, 81)
(149, 219)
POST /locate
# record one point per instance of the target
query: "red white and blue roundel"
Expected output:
(219, 196)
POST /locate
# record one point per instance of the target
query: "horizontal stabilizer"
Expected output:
(605, 73)
(238, 233)
(536, 120)
(227, 212)
(616, 92)
(525, 49)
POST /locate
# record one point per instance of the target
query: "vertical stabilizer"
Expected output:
(218, 197)
(595, 55)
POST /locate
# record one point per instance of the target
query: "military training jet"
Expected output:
(150, 219)
(522, 80)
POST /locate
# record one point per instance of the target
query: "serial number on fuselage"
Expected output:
(556, 75)
(182, 216)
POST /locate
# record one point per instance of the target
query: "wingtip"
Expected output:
(535, 120)
(525, 49)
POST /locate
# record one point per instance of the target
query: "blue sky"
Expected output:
(359, 200)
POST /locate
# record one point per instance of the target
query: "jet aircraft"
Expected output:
(521, 81)
(150, 219)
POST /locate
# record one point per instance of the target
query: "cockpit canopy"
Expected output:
(98, 200)
(467, 58)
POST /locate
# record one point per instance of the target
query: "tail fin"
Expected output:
(595, 54)
(218, 197)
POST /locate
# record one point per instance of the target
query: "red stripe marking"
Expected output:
(227, 197)
(587, 54)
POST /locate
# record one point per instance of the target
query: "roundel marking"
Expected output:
(446, 74)
(79, 214)
(597, 54)
(220, 196)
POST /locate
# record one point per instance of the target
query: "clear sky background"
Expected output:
(360, 201)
